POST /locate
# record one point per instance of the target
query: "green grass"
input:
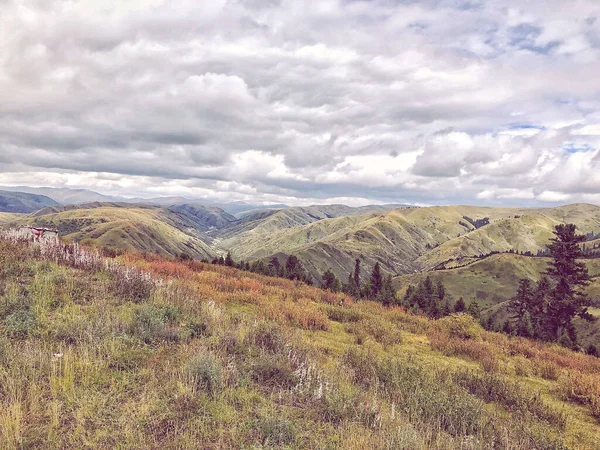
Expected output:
(210, 357)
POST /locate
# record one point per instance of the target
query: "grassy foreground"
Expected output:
(143, 352)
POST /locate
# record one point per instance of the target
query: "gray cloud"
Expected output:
(429, 102)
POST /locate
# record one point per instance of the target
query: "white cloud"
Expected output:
(298, 101)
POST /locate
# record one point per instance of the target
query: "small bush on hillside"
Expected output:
(583, 389)
(461, 326)
(277, 431)
(20, 323)
(15, 298)
(126, 354)
(382, 331)
(341, 314)
(131, 284)
(150, 322)
(206, 373)
(548, 370)
(273, 371)
(493, 388)
(266, 336)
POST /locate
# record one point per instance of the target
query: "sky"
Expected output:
(328, 101)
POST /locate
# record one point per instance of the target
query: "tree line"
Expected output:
(545, 310)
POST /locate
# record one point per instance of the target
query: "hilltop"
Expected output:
(21, 202)
(121, 226)
(145, 352)
(402, 240)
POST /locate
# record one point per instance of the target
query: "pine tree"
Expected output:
(473, 310)
(446, 311)
(229, 260)
(376, 281)
(524, 326)
(350, 287)
(569, 278)
(409, 296)
(507, 327)
(387, 295)
(521, 302)
(592, 350)
(330, 281)
(459, 306)
(275, 266)
(441, 291)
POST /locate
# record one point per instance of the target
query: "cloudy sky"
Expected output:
(433, 101)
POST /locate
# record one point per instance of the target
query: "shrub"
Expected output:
(21, 323)
(126, 354)
(273, 371)
(493, 388)
(206, 373)
(277, 431)
(131, 284)
(150, 322)
(266, 336)
(583, 389)
(341, 314)
(548, 370)
(379, 329)
(461, 326)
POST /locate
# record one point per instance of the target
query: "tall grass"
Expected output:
(138, 351)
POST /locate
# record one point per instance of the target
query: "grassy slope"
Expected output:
(395, 238)
(141, 228)
(225, 359)
(21, 202)
(493, 280)
(7, 218)
(530, 232)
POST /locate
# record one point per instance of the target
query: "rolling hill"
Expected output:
(493, 280)
(149, 352)
(22, 202)
(123, 226)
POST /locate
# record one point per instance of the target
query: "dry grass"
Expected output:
(139, 351)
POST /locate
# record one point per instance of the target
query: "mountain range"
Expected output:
(479, 253)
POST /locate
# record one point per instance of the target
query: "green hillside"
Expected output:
(21, 202)
(148, 352)
(127, 227)
(492, 281)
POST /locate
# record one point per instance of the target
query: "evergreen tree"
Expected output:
(408, 296)
(459, 306)
(376, 281)
(507, 327)
(428, 287)
(446, 311)
(350, 287)
(229, 260)
(524, 326)
(592, 350)
(473, 310)
(275, 266)
(538, 307)
(387, 295)
(521, 302)
(569, 278)
(293, 268)
(330, 281)
(441, 291)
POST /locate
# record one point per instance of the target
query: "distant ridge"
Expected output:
(22, 202)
